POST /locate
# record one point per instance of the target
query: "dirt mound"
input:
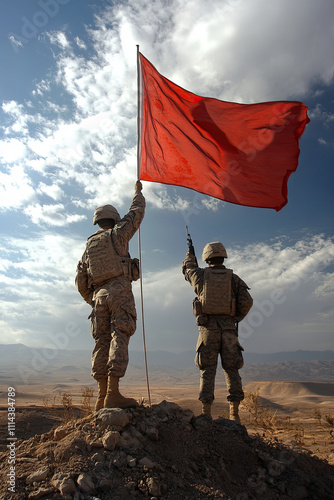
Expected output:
(160, 452)
(291, 389)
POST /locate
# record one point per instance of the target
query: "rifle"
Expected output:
(190, 243)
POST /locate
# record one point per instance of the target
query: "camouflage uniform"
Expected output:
(113, 319)
(218, 336)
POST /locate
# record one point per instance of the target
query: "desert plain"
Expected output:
(296, 413)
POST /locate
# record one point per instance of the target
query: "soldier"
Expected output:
(222, 301)
(103, 278)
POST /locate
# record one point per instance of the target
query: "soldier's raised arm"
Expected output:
(129, 224)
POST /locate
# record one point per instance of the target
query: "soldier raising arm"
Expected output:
(222, 301)
(103, 278)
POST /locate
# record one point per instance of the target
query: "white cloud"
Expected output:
(53, 191)
(80, 43)
(327, 286)
(19, 118)
(279, 266)
(38, 295)
(60, 39)
(231, 49)
(41, 88)
(12, 150)
(16, 43)
(15, 189)
(51, 215)
(318, 113)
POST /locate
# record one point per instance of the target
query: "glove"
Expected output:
(138, 186)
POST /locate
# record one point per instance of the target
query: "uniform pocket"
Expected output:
(92, 318)
(199, 357)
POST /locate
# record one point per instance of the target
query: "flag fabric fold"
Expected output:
(240, 153)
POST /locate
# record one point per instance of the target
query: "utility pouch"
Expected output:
(201, 319)
(135, 270)
(197, 307)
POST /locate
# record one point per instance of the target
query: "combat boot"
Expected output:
(234, 410)
(102, 387)
(114, 398)
(206, 409)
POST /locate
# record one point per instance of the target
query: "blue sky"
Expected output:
(68, 109)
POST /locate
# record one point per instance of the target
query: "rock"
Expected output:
(153, 433)
(113, 417)
(57, 479)
(42, 492)
(98, 458)
(202, 422)
(119, 459)
(166, 408)
(135, 432)
(146, 462)
(95, 444)
(64, 483)
(60, 433)
(85, 483)
(37, 477)
(187, 416)
(131, 485)
(105, 484)
(67, 486)
(131, 461)
(231, 425)
(154, 486)
(110, 440)
(128, 441)
(44, 450)
(69, 446)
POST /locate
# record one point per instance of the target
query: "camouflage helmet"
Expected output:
(106, 212)
(214, 249)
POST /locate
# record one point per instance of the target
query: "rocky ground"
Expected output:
(155, 452)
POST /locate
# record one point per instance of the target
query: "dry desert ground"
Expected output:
(298, 414)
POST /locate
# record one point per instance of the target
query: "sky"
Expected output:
(68, 143)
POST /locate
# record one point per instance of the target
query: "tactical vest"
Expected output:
(104, 262)
(217, 295)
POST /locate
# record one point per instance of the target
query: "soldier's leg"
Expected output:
(206, 360)
(232, 361)
(100, 330)
(118, 357)
(117, 365)
(123, 325)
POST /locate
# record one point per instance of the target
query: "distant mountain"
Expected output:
(186, 358)
(297, 371)
(289, 356)
(26, 364)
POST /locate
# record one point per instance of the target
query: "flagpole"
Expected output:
(139, 136)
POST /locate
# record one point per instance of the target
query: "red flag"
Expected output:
(240, 153)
